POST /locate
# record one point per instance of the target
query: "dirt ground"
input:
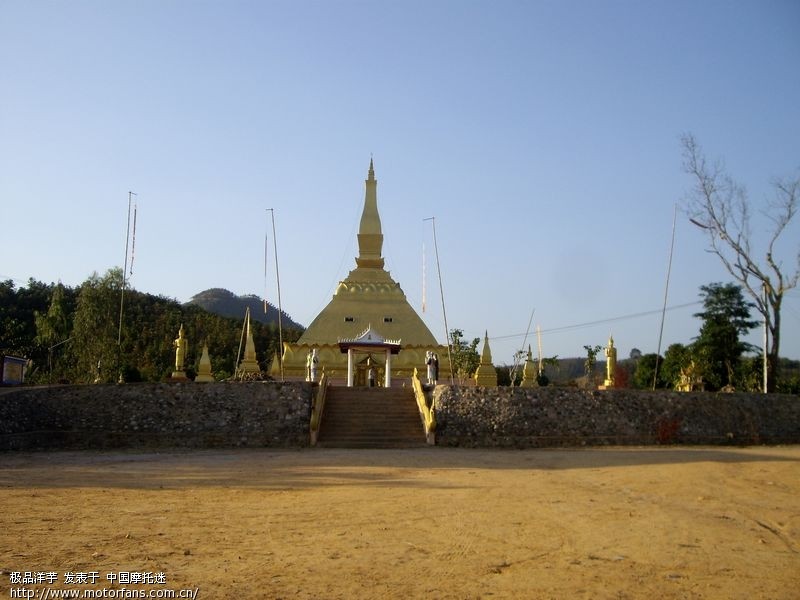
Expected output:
(417, 523)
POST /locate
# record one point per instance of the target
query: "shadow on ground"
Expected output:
(289, 469)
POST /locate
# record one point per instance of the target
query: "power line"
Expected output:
(20, 282)
(601, 321)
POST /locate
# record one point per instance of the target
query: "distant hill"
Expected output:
(227, 304)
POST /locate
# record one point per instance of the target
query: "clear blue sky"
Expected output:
(542, 135)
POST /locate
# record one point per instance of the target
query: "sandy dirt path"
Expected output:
(423, 523)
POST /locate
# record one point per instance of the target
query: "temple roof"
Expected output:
(370, 338)
(368, 296)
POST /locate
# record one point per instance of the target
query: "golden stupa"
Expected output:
(368, 298)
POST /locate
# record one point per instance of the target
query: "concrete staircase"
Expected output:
(370, 418)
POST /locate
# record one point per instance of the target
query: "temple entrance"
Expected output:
(369, 343)
(362, 368)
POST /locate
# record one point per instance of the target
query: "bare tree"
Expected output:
(720, 206)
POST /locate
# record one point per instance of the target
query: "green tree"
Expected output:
(590, 362)
(53, 329)
(36, 318)
(12, 327)
(789, 383)
(676, 358)
(549, 361)
(718, 348)
(750, 375)
(464, 355)
(17, 310)
(645, 368)
(94, 340)
(719, 206)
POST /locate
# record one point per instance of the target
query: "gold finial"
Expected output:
(486, 356)
(370, 237)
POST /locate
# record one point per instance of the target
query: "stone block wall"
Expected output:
(270, 414)
(192, 415)
(552, 416)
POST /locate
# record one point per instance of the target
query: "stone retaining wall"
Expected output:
(272, 414)
(156, 415)
(551, 416)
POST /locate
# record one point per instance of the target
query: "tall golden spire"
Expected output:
(370, 237)
(486, 355)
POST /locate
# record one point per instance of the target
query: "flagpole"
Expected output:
(278, 279)
(441, 292)
(666, 291)
(122, 292)
(423, 277)
(266, 245)
(133, 238)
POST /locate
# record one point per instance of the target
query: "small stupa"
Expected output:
(248, 364)
(204, 374)
(529, 372)
(486, 375)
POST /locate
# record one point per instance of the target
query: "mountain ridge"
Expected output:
(227, 304)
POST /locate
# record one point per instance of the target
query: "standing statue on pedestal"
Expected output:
(312, 360)
(435, 361)
(429, 365)
(181, 345)
(611, 363)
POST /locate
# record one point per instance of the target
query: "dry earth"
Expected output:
(418, 523)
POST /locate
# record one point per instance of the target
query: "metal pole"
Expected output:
(122, 292)
(441, 292)
(278, 279)
(124, 268)
(519, 354)
(666, 290)
(266, 245)
(241, 342)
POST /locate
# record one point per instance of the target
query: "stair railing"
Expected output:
(317, 406)
(427, 414)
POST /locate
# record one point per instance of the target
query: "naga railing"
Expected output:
(427, 413)
(317, 406)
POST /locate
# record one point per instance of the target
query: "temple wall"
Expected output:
(194, 415)
(334, 361)
(552, 416)
(272, 414)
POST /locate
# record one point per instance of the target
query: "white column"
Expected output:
(349, 367)
(387, 380)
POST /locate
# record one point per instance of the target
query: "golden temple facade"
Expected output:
(367, 298)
